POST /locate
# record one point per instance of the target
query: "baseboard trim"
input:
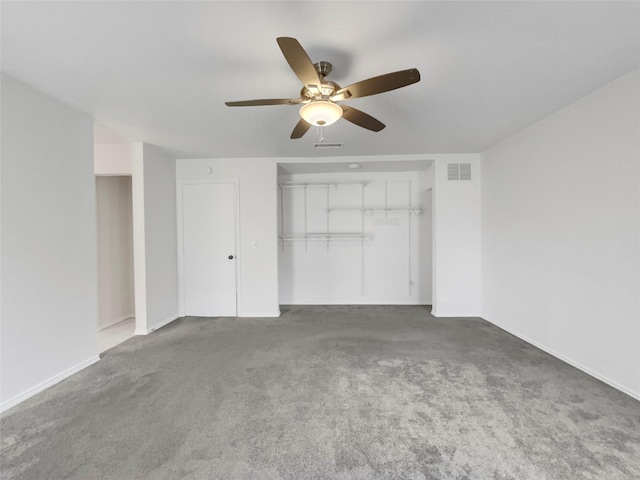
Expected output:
(270, 314)
(359, 303)
(565, 359)
(116, 320)
(166, 321)
(12, 402)
(436, 313)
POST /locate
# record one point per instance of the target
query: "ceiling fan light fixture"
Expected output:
(321, 113)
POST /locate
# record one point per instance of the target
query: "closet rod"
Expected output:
(417, 211)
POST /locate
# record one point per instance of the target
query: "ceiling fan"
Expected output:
(319, 97)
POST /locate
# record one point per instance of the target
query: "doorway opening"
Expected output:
(116, 298)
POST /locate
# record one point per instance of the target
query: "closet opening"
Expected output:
(355, 235)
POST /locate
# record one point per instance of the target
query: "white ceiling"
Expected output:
(159, 72)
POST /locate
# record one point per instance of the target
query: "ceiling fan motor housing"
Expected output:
(326, 90)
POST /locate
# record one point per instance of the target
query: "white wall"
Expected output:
(561, 234)
(383, 269)
(425, 249)
(115, 250)
(456, 223)
(139, 239)
(153, 187)
(427, 184)
(257, 267)
(113, 158)
(48, 236)
(161, 263)
(457, 239)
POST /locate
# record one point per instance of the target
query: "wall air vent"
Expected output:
(459, 171)
(465, 171)
(327, 145)
(453, 171)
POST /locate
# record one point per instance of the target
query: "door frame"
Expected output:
(180, 234)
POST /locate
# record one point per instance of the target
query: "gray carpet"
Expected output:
(325, 393)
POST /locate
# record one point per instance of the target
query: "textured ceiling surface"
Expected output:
(160, 72)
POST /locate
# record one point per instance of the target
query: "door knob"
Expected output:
(230, 257)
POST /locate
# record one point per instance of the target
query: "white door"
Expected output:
(209, 256)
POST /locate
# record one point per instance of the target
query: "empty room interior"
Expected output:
(320, 239)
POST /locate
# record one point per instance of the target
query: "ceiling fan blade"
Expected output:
(299, 61)
(380, 84)
(300, 129)
(361, 119)
(265, 101)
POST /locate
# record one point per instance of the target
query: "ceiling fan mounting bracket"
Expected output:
(323, 68)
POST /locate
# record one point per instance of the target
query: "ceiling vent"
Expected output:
(459, 171)
(327, 145)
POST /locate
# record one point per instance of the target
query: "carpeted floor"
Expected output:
(325, 393)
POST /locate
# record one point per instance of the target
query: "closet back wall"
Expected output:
(354, 238)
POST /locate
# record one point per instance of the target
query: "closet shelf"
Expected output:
(324, 184)
(368, 211)
(324, 236)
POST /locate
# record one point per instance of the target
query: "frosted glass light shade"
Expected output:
(321, 113)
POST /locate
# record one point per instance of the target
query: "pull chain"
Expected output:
(319, 132)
